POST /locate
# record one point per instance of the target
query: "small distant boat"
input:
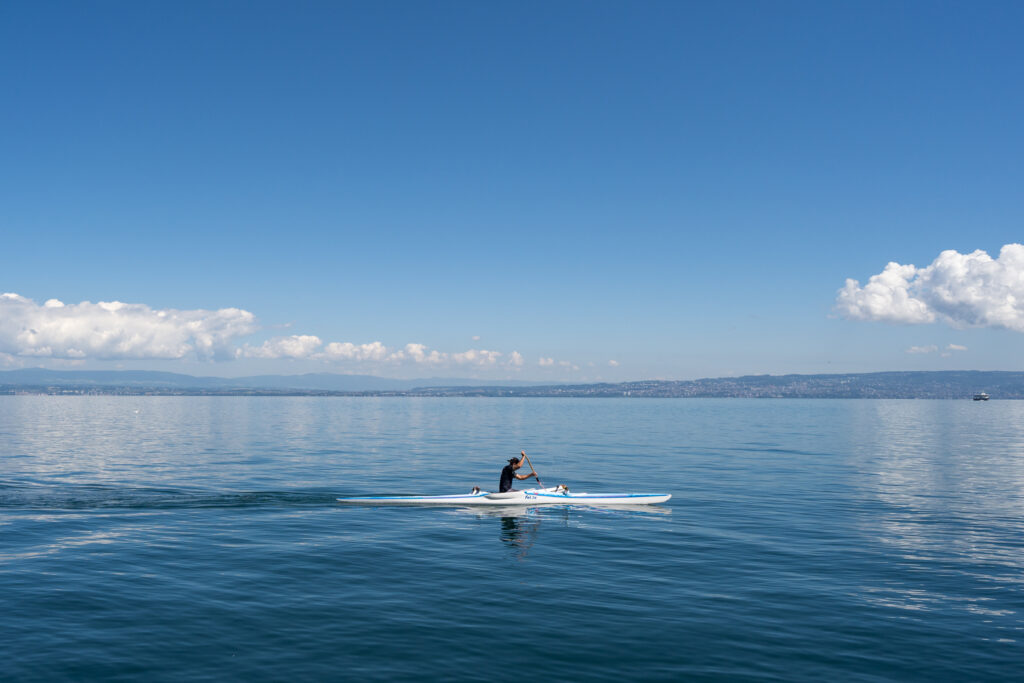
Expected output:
(981, 396)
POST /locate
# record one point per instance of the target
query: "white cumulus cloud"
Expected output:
(477, 357)
(295, 346)
(371, 351)
(419, 353)
(120, 331)
(112, 330)
(312, 348)
(546, 362)
(923, 349)
(933, 348)
(961, 290)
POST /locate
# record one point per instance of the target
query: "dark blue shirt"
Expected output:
(508, 476)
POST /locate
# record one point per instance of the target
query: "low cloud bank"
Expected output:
(961, 290)
(111, 330)
(932, 348)
(308, 347)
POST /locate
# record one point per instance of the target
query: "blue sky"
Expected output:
(568, 191)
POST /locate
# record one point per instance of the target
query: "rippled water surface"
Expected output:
(198, 539)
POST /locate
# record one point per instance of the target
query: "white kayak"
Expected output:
(558, 495)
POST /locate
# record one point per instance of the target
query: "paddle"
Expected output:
(531, 468)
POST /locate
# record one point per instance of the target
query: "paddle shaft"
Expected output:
(532, 470)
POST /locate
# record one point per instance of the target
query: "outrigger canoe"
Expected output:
(558, 495)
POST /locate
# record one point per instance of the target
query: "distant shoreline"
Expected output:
(950, 384)
(403, 395)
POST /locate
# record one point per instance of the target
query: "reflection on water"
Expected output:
(943, 478)
(519, 534)
(948, 489)
(519, 526)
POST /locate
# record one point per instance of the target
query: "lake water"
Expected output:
(198, 539)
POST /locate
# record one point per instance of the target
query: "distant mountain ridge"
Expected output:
(945, 384)
(941, 384)
(40, 377)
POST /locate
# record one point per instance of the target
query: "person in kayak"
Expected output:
(508, 473)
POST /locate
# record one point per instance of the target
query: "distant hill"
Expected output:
(338, 382)
(142, 379)
(958, 384)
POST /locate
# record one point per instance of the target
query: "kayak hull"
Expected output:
(530, 497)
(463, 499)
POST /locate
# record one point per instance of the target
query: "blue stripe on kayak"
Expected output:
(584, 496)
(451, 497)
(537, 494)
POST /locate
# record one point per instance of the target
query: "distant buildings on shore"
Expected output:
(921, 385)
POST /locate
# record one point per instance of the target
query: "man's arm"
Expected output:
(522, 457)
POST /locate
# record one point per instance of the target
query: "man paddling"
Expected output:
(508, 473)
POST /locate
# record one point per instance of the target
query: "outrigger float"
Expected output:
(558, 495)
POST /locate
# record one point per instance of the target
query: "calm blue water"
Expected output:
(197, 539)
